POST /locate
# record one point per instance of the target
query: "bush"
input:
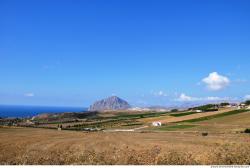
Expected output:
(204, 134)
(247, 130)
(208, 107)
(174, 110)
(247, 102)
(224, 104)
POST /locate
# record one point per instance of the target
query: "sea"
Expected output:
(29, 111)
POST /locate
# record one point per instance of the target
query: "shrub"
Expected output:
(224, 104)
(247, 102)
(208, 107)
(247, 130)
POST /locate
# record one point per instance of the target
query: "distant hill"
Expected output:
(110, 103)
(63, 116)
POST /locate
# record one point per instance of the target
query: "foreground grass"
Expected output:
(49, 147)
(215, 116)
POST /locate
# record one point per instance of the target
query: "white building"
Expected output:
(198, 111)
(156, 124)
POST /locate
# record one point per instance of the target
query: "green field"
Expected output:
(173, 127)
(182, 114)
(215, 116)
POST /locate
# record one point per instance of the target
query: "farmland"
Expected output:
(46, 146)
(184, 138)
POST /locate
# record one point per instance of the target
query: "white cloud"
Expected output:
(29, 94)
(247, 97)
(214, 98)
(184, 97)
(215, 81)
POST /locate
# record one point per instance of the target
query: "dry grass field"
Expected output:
(45, 146)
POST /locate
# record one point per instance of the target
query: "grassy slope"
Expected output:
(227, 124)
(215, 116)
(182, 114)
(236, 120)
(173, 127)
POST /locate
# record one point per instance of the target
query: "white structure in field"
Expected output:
(198, 111)
(156, 124)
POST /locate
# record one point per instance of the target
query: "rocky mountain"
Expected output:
(110, 103)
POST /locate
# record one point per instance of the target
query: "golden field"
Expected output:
(44, 146)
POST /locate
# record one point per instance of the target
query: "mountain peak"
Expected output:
(113, 98)
(110, 103)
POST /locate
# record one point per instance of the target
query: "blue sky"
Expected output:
(72, 52)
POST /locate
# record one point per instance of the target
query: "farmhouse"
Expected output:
(156, 124)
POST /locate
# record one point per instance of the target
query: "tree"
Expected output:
(208, 107)
(247, 130)
(174, 110)
(247, 102)
(224, 104)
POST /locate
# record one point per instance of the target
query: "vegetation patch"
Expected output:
(206, 108)
(182, 114)
(247, 130)
(132, 124)
(174, 127)
(215, 116)
(138, 116)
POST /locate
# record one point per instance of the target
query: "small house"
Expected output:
(156, 124)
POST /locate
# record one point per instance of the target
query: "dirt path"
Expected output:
(125, 130)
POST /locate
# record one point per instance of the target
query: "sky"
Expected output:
(148, 52)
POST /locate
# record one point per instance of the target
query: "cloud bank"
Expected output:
(185, 98)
